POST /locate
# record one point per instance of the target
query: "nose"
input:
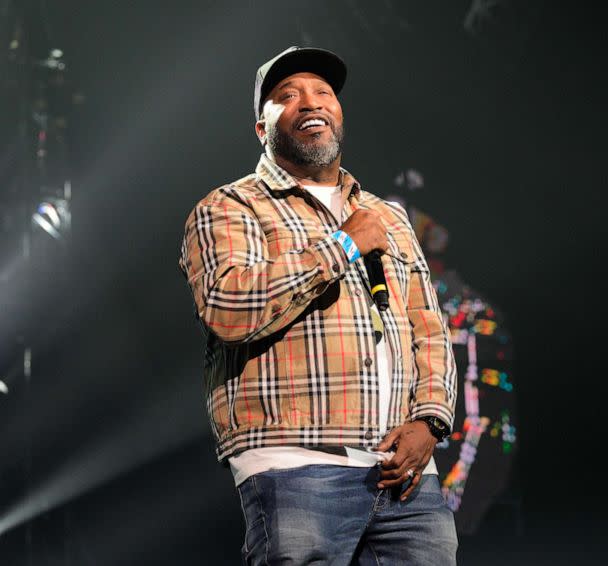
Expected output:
(309, 100)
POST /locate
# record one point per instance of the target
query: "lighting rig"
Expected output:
(36, 100)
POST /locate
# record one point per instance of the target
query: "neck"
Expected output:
(309, 175)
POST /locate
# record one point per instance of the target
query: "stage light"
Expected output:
(412, 179)
(56, 53)
(52, 62)
(3, 387)
(123, 447)
(54, 217)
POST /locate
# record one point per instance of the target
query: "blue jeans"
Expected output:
(324, 514)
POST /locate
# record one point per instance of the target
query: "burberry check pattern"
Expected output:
(289, 343)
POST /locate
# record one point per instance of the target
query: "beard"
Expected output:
(300, 153)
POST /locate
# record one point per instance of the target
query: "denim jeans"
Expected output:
(324, 514)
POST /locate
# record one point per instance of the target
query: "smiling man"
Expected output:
(326, 409)
(310, 141)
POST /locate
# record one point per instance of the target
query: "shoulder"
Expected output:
(241, 193)
(393, 211)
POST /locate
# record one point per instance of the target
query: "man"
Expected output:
(304, 374)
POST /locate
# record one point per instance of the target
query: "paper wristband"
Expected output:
(351, 249)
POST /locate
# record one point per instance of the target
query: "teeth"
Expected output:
(313, 122)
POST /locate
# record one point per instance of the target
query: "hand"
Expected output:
(366, 229)
(415, 445)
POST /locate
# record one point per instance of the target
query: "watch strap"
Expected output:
(437, 427)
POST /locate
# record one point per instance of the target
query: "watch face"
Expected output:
(439, 429)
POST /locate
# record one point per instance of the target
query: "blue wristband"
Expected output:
(351, 249)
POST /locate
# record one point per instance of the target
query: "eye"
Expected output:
(287, 95)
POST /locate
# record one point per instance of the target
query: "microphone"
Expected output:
(375, 272)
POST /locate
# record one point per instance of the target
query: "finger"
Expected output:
(415, 481)
(409, 475)
(388, 475)
(395, 477)
(383, 242)
(388, 440)
(395, 469)
(398, 457)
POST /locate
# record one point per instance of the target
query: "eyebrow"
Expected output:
(289, 83)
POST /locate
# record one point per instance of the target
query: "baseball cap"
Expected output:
(296, 60)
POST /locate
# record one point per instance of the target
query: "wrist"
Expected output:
(348, 245)
(436, 427)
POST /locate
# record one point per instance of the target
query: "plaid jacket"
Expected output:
(290, 348)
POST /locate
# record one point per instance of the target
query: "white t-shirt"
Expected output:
(256, 460)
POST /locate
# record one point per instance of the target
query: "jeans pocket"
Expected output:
(255, 539)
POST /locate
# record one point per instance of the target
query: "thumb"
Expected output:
(388, 440)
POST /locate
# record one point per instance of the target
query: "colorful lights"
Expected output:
(485, 327)
(482, 348)
(497, 379)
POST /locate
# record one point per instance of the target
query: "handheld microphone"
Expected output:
(375, 272)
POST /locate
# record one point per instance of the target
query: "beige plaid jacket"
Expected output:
(289, 343)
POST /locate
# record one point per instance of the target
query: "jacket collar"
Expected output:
(278, 179)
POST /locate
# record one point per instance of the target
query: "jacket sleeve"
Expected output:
(242, 294)
(435, 376)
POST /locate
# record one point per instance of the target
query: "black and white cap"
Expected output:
(297, 60)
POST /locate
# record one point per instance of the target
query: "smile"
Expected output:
(312, 123)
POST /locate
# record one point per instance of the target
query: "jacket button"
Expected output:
(403, 255)
(369, 435)
(335, 267)
(358, 291)
(368, 361)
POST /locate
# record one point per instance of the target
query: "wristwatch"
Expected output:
(437, 427)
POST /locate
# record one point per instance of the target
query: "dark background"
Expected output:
(507, 124)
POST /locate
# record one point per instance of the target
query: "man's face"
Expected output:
(302, 121)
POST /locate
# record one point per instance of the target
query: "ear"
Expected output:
(260, 130)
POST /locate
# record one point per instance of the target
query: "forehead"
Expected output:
(297, 80)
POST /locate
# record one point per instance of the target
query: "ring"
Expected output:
(411, 473)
